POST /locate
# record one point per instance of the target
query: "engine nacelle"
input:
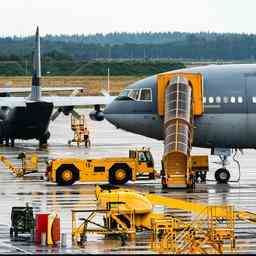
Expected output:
(67, 110)
(96, 115)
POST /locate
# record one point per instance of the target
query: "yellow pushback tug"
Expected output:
(116, 170)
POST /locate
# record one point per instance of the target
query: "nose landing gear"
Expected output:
(222, 175)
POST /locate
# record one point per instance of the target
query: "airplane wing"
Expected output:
(58, 101)
(43, 89)
(12, 102)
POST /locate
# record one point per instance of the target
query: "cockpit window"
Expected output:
(124, 93)
(145, 94)
(134, 94)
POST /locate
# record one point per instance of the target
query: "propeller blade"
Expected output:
(75, 92)
(75, 114)
(104, 93)
(56, 114)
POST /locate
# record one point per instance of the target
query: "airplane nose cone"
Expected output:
(110, 113)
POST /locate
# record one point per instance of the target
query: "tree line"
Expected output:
(176, 45)
(79, 68)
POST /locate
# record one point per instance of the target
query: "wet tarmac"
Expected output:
(108, 141)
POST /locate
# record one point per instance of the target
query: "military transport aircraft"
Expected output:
(29, 117)
(228, 120)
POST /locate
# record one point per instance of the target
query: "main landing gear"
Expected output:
(43, 140)
(222, 175)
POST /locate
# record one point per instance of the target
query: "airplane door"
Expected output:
(251, 110)
(251, 94)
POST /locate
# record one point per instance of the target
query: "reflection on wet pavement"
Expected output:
(108, 141)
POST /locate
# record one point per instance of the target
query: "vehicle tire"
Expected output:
(66, 175)
(119, 174)
(222, 175)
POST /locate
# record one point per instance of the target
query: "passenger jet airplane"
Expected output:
(229, 100)
(29, 117)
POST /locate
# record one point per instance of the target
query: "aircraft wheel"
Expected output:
(47, 136)
(66, 175)
(44, 139)
(119, 174)
(222, 175)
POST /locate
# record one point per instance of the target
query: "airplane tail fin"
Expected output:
(36, 72)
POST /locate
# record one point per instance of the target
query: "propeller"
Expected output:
(75, 114)
(56, 114)
(76, 91)
(66, 111)
(104, 92)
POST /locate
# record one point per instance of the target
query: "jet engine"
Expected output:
(96, 114)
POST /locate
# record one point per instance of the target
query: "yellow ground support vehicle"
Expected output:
(29, 164)
(65, 171)
(124, 212)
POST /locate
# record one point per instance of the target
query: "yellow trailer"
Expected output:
(66, 171)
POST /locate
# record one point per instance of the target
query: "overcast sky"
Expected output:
(20, 17)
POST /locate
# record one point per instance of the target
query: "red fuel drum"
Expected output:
(41, 226)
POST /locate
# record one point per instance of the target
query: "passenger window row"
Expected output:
(225, 99)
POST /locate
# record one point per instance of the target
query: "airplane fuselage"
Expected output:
(229, 117)
(29, 122)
